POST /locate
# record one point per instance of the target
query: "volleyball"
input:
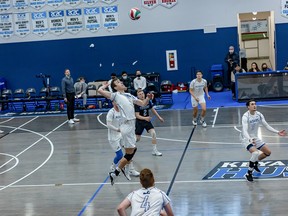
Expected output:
(135, 13)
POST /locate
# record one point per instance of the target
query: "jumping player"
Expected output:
(196, 89)
(125, 102)
(143, 121)
(249, 137)
(113, 121)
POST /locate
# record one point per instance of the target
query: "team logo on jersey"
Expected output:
(238, 169)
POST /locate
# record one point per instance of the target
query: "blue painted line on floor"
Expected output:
(93, 196)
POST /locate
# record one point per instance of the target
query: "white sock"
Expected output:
(154, 147)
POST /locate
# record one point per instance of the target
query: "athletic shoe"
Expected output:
(112, 167)
(249, 177)
(194, 122)
(76, 120)
(71, 121)
(112, 177)
(125, 171)
(203, 123)
(155, 152)
(134, 173)
(256, 167)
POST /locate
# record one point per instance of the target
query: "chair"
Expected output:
(7, 96)
(92, 90)
(54, 98)
(19, 94)
(166, 89)
(18, 97)
(55, 92)
(30, 102)
(31, 93)
(43, 93)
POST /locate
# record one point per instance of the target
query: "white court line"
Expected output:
(215, 116)
(137, 182)
(44, 162)
(98, 118)
(13, 157)
(7, 120)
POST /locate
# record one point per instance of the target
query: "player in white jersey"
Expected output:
(125, 102)
(249, 137)
(113, 121)
(197, 89)
(147, 201)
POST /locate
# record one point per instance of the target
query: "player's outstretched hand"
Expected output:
(282, 133)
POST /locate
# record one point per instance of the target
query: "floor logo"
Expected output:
(237, 170)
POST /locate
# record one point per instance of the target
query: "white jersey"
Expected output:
(198, 87)
(125, 102)
(251, 123)
(147, 202)
(114, 118)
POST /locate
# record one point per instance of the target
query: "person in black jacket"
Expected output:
(232, 59)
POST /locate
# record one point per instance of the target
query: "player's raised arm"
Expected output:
(104, 92)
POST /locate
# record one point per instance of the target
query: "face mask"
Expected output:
(138, 75)
(264, 68)
(124, 77)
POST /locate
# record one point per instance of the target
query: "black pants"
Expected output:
(70, 105)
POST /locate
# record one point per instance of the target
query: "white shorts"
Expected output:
(195, 103)
(115, 144)
(258, 142)
(127, 130)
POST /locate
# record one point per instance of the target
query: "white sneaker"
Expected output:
(194, 122)
(76, 120)
(203, 123)
(71, 121)
(113, 167)
(112, 177)
(155, 152)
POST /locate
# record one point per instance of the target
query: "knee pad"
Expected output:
(153, 134)
(130, 156)
(254, 156)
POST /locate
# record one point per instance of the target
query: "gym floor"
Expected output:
(49, 167)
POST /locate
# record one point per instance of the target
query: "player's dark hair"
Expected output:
(249, 101)
(113, 84)
(147, 178)
(199, 71)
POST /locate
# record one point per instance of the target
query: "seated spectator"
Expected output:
(127, 81)
(254, 67)
(139, 82)
(236, 70)
(113, 76)
(264, 67)
(81, 90)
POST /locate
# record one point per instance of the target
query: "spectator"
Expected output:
(254, 67)
(68, 91)
(232, 59)
(237, 69)
(81, 90)
(264, 67)
(127, 81)
(139, 82)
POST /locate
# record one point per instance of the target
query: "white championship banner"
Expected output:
(90, 2)
(55, 3)
(20, 4)
(57, 22)
(108, 1)
(37, 4)
(168, 3)
(150, 4)
(5, 5)
(39, 23)
(6, 25)
(110, 17)
(92, 19)
(22, 24)
(74, 22)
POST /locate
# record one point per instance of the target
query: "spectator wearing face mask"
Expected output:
(127, 81)
(264, 67)
(139, 82)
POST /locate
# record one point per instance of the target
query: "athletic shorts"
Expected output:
(258, 142)
(127, 130)
(195, 103)
(115, 144)
(141, 125)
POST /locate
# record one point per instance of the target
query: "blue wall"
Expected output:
(20, 62)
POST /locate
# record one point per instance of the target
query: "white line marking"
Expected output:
(13, 157)
(215, 117)
(98, 118)
(6, 120)
(237, 129)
